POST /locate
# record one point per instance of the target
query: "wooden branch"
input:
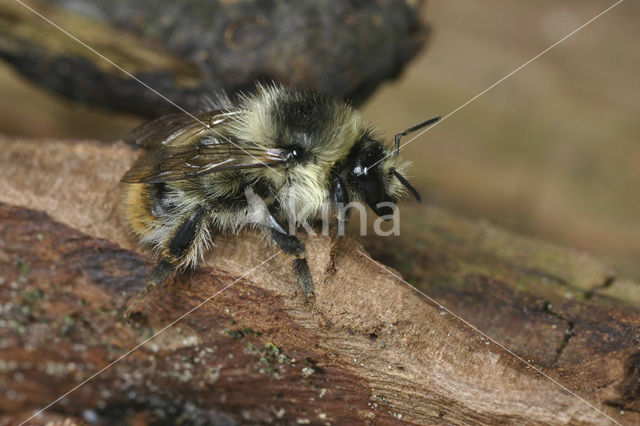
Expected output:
(370, 350)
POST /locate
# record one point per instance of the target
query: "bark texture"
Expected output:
(371, 349)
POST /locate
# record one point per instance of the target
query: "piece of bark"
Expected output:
(191, 48)
(370, 350)
(560, 309)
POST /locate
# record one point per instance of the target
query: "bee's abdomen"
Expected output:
(160, 201)
(149, 216)
(137, 209)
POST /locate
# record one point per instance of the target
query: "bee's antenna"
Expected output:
(406, 184)
(405, 133)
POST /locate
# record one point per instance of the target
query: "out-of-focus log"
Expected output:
(191, 48)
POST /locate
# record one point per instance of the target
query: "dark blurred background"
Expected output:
(552, 152)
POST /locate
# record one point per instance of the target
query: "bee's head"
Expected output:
(375, 175)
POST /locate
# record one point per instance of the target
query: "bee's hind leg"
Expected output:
(291, 245)
(176, 251)
(158, 276)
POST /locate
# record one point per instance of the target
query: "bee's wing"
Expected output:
(174, 128)
(183, 162)
(179, 149)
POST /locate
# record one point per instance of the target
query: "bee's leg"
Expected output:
(176, 250)
(340, 198)
(161, 272)
(291, 245)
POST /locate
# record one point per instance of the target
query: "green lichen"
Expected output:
(23, 267)
(33, 296)
(239, 333)
(270, 356)
(68, 325)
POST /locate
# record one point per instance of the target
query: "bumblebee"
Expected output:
(294, 149)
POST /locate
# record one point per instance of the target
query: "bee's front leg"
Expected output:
(176, 251)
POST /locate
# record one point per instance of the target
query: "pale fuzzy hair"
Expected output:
(307, 187)
(254, 121)
(394, 187)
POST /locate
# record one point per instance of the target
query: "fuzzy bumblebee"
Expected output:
(294, 149)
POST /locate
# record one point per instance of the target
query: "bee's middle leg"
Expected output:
(291, 245)
(340, 198)
(176, 250)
